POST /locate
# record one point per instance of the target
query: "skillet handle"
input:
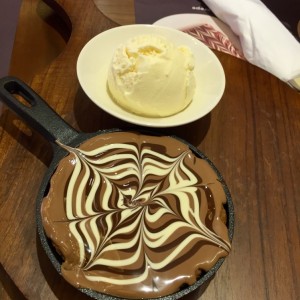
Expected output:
(35, 111)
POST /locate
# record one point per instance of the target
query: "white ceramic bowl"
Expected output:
(95, 57)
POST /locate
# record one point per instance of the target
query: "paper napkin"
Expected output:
(265, 41)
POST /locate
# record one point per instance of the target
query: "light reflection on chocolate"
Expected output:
(135, 216)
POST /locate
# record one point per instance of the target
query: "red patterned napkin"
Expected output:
(214, 39)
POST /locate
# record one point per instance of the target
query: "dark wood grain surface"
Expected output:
(252, 136)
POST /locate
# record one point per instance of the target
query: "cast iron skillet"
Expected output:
(42, 118)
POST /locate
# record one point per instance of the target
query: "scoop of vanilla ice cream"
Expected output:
(150, 76)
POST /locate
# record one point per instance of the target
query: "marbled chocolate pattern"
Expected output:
(135, 216)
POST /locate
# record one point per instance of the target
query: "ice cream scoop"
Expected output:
(151, 76)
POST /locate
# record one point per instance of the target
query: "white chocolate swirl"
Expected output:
(134, 212)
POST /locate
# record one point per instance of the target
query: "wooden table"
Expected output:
(252, 136)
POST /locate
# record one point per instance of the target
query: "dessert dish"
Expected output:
(136, 216)
(151, 76)
(94, 62)
(130, 215)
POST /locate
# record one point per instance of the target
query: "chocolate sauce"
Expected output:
(135, 216)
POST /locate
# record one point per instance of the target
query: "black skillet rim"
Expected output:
(54, 257)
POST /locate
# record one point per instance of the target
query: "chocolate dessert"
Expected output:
(135, 216)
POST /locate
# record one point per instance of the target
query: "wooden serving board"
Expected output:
(252, 136)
